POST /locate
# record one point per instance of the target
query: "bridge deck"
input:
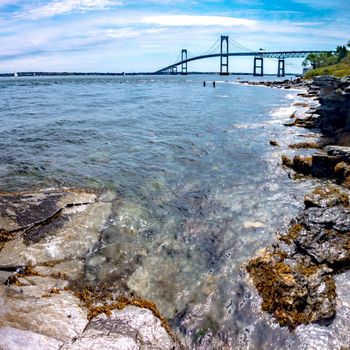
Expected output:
(267, 54)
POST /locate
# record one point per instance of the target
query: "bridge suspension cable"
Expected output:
(178, 58)
(224, 53)
(242, 47)
(212, 48)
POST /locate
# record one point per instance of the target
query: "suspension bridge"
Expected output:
(224, 54)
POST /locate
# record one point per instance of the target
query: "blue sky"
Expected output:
(132, 36)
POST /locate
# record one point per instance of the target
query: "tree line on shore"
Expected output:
(333, 63)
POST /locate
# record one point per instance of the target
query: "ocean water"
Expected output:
(199, 190)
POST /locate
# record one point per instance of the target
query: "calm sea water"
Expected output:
(200, 190)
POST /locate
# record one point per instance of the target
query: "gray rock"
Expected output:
(337, 218)
(326, 196)
(4, 275)
(129, 329)
(325, 234)
(70, 240)
(19, 339)
(342, 152)
(324, 245)
(55, 232)
(293, 288)
(21, 210)
(323, 165)
(33, 308)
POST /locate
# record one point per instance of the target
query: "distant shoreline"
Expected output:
(41, 74)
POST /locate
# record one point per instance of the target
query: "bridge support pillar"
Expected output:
(224, 55)
(281, 68)
(184, 65)
(258, 66)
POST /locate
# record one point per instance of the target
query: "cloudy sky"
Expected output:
(136, 35)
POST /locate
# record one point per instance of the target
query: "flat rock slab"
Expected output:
(132, 328)
(33, 308)
(342, 152)
(68, 235)
(18, 339)
(21, 210)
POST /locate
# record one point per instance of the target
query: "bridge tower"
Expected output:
(258, 66)
(281, 68)
(184, 64)
(224, 55)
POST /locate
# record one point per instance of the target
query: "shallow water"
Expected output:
(199, 190)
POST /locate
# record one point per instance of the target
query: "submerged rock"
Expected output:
(274, 143)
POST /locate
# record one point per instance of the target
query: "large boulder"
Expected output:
(325, 234)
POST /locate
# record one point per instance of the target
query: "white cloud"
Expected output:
(126, 40)
(185, 20)
(60, 7)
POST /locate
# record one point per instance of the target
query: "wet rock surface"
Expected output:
(325, 234)
(45, 238)
(326, 196)
(332, 119)
(327, 164)
(130, 328)
(294, 290)
(296, 276)
(297, 83)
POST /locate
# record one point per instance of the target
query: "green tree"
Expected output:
(341, 52)
(318, 60)
(310, 60)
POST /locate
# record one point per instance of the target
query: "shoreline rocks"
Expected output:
(45, 237)
(295, 276)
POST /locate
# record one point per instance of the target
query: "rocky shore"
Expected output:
(45, 302)
(295, 276)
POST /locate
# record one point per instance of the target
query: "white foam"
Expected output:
(283, 112)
